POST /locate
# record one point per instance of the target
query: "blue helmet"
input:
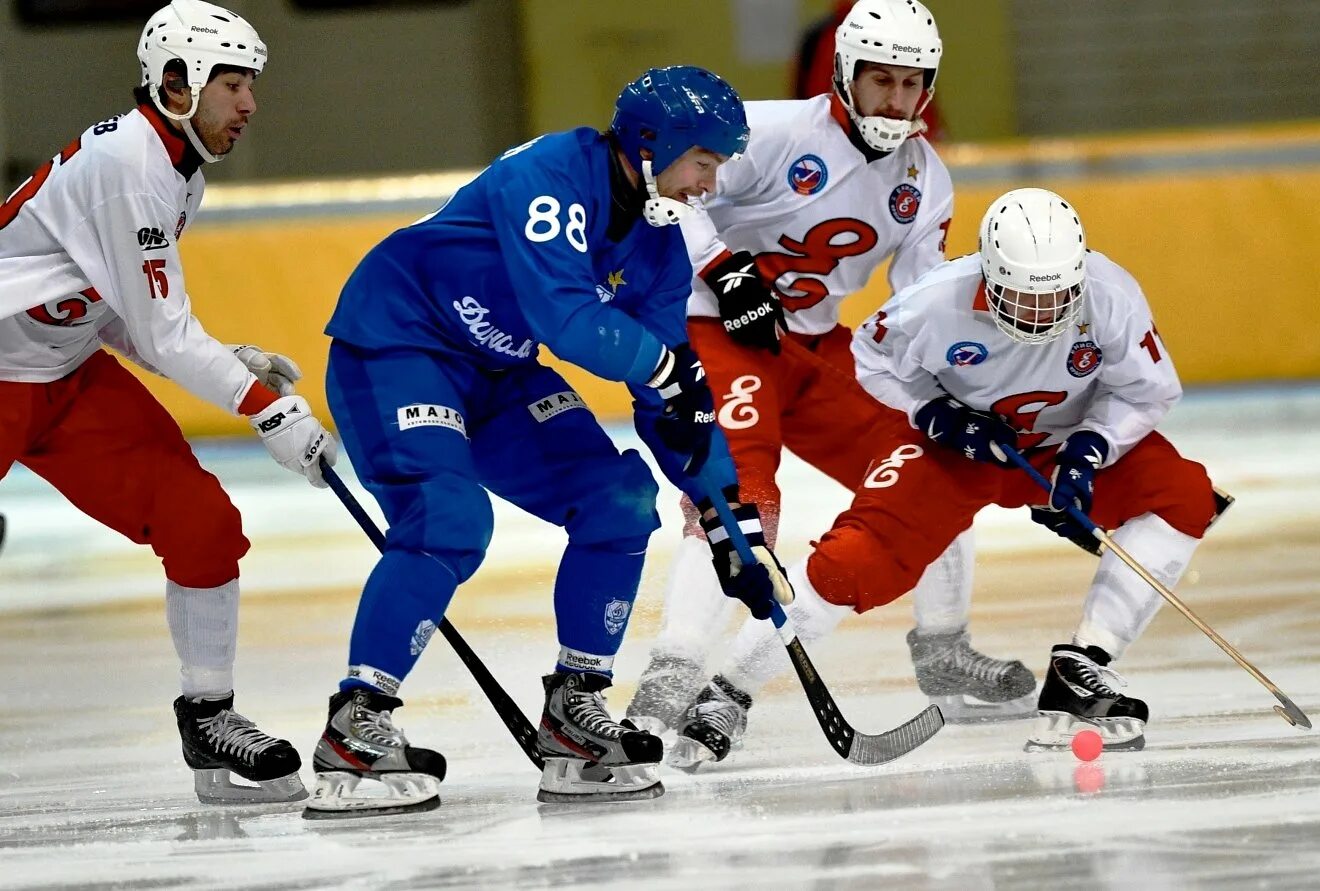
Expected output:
(669, 110)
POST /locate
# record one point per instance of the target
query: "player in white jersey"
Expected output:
(829, 189)
(1036, 343)
(89, 258)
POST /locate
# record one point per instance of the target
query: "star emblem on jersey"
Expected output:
(615, 281)
(1082, 328)
(912, 172)
(808, 175)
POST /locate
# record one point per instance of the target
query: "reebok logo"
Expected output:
(1045, 278)
(900, 48)
(200, 30)
(748, 317)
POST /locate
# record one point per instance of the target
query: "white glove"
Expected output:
(273, 370)
(295, 438)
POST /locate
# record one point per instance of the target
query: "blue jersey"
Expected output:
(520, 257)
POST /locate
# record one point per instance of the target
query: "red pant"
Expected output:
(918, 496)
(806, 399)
(102, 440)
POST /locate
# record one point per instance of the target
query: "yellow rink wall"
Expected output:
(1222, 231)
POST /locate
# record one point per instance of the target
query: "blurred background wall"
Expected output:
(1186, 131)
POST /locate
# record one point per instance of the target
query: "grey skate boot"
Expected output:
(967, 685)
(1077, 696)
(712, 726)
(361, 742)
(588, 755)
(666, 687)
(218, 742)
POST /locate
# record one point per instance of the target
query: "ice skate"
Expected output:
(968, 685)
(588, 755)
(1076, 696)
(712, 726)
(360, 742)
(666, 687)
(219, 742)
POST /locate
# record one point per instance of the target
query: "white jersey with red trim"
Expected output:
(817, 216)
(89, 256)
(1109, 373)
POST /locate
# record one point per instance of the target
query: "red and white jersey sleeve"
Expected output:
(818, 218)
(1109, 373)
(90, 244)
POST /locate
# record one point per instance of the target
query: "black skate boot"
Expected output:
(1076, 696)
(967, 685)
(218, 741)
(712, 726)
(588, 755)
(361, 742)
(666, 687)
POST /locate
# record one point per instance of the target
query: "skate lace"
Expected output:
(1097, 678)
(377, 727)
(587, 711)
(721, 715)
(979, 665)
(228, 731)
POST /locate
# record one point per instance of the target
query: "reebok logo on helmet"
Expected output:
(201, 30)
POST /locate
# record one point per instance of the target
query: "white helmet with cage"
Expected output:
(201, 35)
(1033, 258)
(889, 32)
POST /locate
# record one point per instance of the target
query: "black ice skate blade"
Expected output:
(1136, 744)
(357, 813)
(545, 797)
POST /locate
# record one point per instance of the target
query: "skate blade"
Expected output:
(215, 786)
(1054, 731)
(335, 795)
(646, 724)
(961, 709)
(571, 781)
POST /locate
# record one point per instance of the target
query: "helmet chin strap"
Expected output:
(660, 211)
(185, 120)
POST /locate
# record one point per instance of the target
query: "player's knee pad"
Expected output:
(197, 533)
(623, 510)
(1190, 502)
(852, 567)
(447, 516)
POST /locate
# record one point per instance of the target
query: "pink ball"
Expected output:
(1087, 745)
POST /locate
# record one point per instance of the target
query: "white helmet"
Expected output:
(890, 32)
(202, 36)
(1033, 257)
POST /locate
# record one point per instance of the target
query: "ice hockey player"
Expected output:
(831, 188)
(89, 258)
(1038, 344)
(435, 382)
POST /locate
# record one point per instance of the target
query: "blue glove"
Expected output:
(757, 586)
(976, 434)
(689, 415)
(1073, 483)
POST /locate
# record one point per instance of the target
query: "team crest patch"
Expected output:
(807, 175)
(1084, 358)
(616, 615)
(904, 201)
(967, 352)
(421, 636)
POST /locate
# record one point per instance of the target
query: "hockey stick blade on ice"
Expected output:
(524, 733)
(859, 748)
(1287, 709)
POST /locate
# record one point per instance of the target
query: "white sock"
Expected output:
(942, 599)
(1120, 603)
(757, 655)
(204, 625)
(696, 610)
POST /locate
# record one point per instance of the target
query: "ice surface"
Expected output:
(94, 792)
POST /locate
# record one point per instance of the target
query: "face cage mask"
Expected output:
(1008, 309)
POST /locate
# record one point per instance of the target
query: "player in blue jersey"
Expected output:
(435, 386)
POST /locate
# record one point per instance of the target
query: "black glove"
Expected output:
(689, 417)
(1073, 483)
(750, 310)
(976, 434)
(757, 586)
